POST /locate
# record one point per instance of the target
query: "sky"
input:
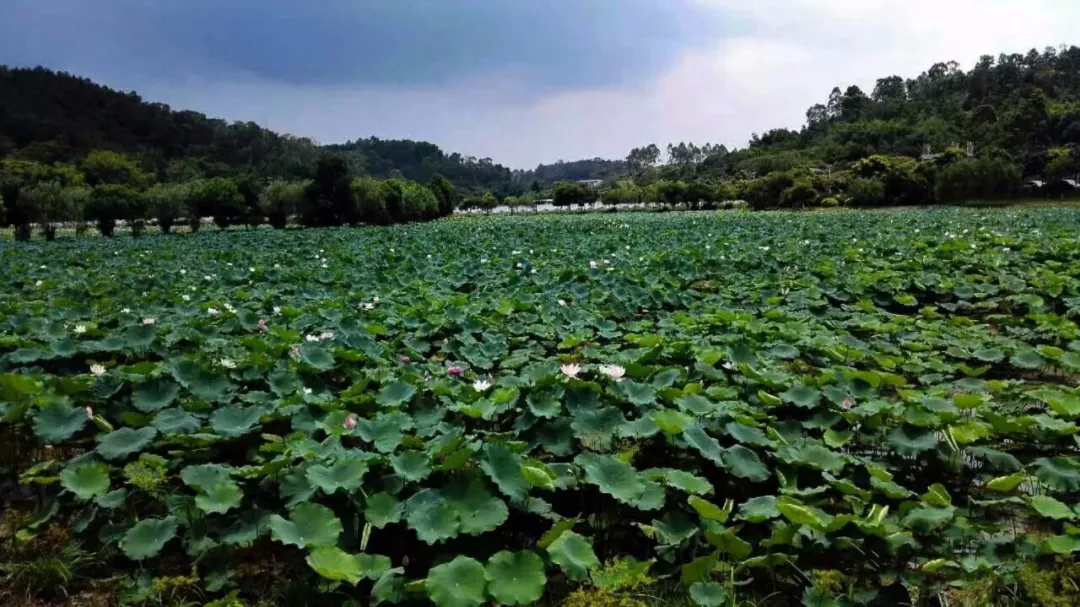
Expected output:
(518, 81)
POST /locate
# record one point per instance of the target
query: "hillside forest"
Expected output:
(78, 152)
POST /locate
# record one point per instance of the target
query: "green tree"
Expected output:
(44, 204)
(865, 191)
(110, 203)
(105, 167)
(444, 193)
(168, 203)
(75, 199)
(370, 201)
(280, 200)
(418, 202)
(219, 197)
(329, 199)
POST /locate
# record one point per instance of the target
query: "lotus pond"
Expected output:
(823, 409)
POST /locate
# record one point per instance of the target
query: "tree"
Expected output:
(370, 201)
(108, 204)
(800, 194)
(168, 203)
(75, 199)
(219, 197)
(44, 204)
(101, 166)
(280, 200)
(444, 193)
(567, 194)
(329, 199)
(418, 202)
(866, 192)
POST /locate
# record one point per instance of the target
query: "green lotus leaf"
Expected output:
(814, 456)
(911, 441)
(708, 510)
(112, 500)
(802, 396)
(219, 498)
(989, 355)
(459, 583)
(504, 468)
(515, 578)
(1027, 359)
(574, 554)
(205, 476)
(1062, 544)
(431, 517)
(1006, 484)
(538, 476)
(1050, 507)
(927, 519)
(346, 473)
(744, 463)
(747, 434)
(708, 594)
(308, 525)
(207, 385)
(597, 427)
(57, 423)
(233, 421)
(696, 404)
(86, 480)
(477, 510)
(123, 442)
(612, 476)
(700, 568)
(801, 514)
(1058, 473)
(335, 564)
(175, 421)
(395, 394)
(154, 395)
(705, 444)
(670, 421)
(759, 509)
(386, 431)
(382, 509)
(637, 393)
(544, 404)
(412, 465)
(317, 356)
(389, 588)
(148, 537)
(681, 480)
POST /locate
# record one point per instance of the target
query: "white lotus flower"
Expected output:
(562, 302)
(207, 278)
(571, 370)
(730, 366)
(38, 283)
(185, 297)
(126, 311)
(148, 321)
(277, 309)
(307, 390)
(592, 264)
(97, 369)
(312, 337)
(89, 413)
(229, 307)
(212, 311)
(228, 363)
(367, 306)
(481, 385)
(613, 371)
(80, 329)
(326, 335)
(183, 271)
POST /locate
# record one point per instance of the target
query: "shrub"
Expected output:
(830, 201)
(168, 203)
(281, 200)
(328, 198)
(370, 201)
(799, 194)
(444, 193)
(109, 203)
(866, 192)
(418, 202)
(219, 197)
(982, 178)
(44, 204)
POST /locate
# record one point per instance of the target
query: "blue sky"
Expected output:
(521, 81)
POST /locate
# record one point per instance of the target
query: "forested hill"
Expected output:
(55, 117)
(1024, 108)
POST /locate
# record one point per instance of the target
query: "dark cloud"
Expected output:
(544, 45)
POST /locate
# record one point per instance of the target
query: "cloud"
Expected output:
(541, 45)
(582, 82)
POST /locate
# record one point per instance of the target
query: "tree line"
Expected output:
(106, 188)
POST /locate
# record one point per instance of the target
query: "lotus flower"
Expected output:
(325, 335)
(228, 363)
(277, 309)
(213, 312)
(80, 329)
(571, 370)
(148, 321)
(230, 308)
(592, 265)
(185, 297)
(350, 422)
(262, 325)
(562, 302)
(454, 371)
(126, 311)
(403, 359)
(312, 337)
(307, 391)
(89, 413)
(613, 371)
(730, 366)
(295, 352)
(481, 385)
(97, 369)
(848, 403)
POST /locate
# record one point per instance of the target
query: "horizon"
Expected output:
(702, 71)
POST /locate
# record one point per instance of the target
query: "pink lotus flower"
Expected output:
(262, 325)
(454, 371)
(571, 370)
(848, 403)
(350, 422)
(403, 359)
(89, 413)
(613, 371)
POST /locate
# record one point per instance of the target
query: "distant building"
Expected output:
(592, 183)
